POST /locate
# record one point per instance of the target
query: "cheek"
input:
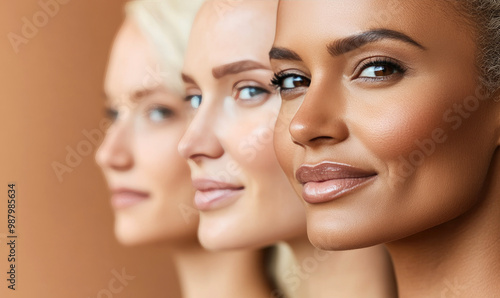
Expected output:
(159, 157)
(286, 150)
(249, 138)
(409, 119)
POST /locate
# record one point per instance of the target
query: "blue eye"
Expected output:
(195, 100)
(159, 113)
(251, 94)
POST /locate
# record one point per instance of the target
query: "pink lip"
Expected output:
(328, 181)
(212, 194)
(125, 197)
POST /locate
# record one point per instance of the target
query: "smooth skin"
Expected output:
(401, 101)
(227, 76)
(139, 153)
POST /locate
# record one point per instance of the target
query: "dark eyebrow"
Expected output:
(236, 67)
(345, 45)
(283, 54)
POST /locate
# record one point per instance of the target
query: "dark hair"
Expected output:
(485, 17)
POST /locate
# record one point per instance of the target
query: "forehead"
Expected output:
(243, 30)
(131, 63)
(421, 19)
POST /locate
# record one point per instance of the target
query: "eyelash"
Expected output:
(168, 113)
(279, 77)
(277, 80)
(381, 61)
(113, 114)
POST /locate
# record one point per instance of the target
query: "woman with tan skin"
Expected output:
(244, 198)
(393, 134)
(149, 181)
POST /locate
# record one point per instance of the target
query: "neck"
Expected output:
(224, 274)
(319, 274)
(458, 258)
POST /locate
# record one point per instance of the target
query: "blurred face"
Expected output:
(149, 181)
(388, 133)
(244, 198)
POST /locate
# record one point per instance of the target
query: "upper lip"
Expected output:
(204, 184)
(329, 171)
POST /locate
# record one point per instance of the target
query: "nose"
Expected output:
(200, 139)
(320, 118)
(114, 152)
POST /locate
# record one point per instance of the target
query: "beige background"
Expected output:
(50, 92)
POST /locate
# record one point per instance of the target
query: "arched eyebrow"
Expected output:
(236, 67)
(348, 44)
(351, 43)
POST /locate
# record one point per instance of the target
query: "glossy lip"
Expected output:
(328, 181)
(122, 197)
(212, 194)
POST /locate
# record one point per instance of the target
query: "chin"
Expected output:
(330, 234)
(129, 234)
(219, 237)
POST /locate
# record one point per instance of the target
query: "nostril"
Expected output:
(321, 139)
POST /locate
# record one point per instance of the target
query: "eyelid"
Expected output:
(377, 60)
(283, 74)
(263, 96)
(192, 90)
(240, 85)
(168, 111)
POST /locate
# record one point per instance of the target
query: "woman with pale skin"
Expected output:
(151, 190)
(393, 134)
(243, 196)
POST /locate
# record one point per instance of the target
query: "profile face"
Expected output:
(244, 198)
(149, 181)
(388, 134)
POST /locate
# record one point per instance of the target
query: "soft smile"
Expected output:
(328, 181)
(212, 194)
(122, 197)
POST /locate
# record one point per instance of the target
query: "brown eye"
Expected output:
(292, 82)
(380, 69)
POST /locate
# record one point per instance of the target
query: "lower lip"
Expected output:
(125, 200)
(326, 191)
(216, 199)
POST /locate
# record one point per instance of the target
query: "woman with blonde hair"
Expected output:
(151, 190)
(245, 200)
